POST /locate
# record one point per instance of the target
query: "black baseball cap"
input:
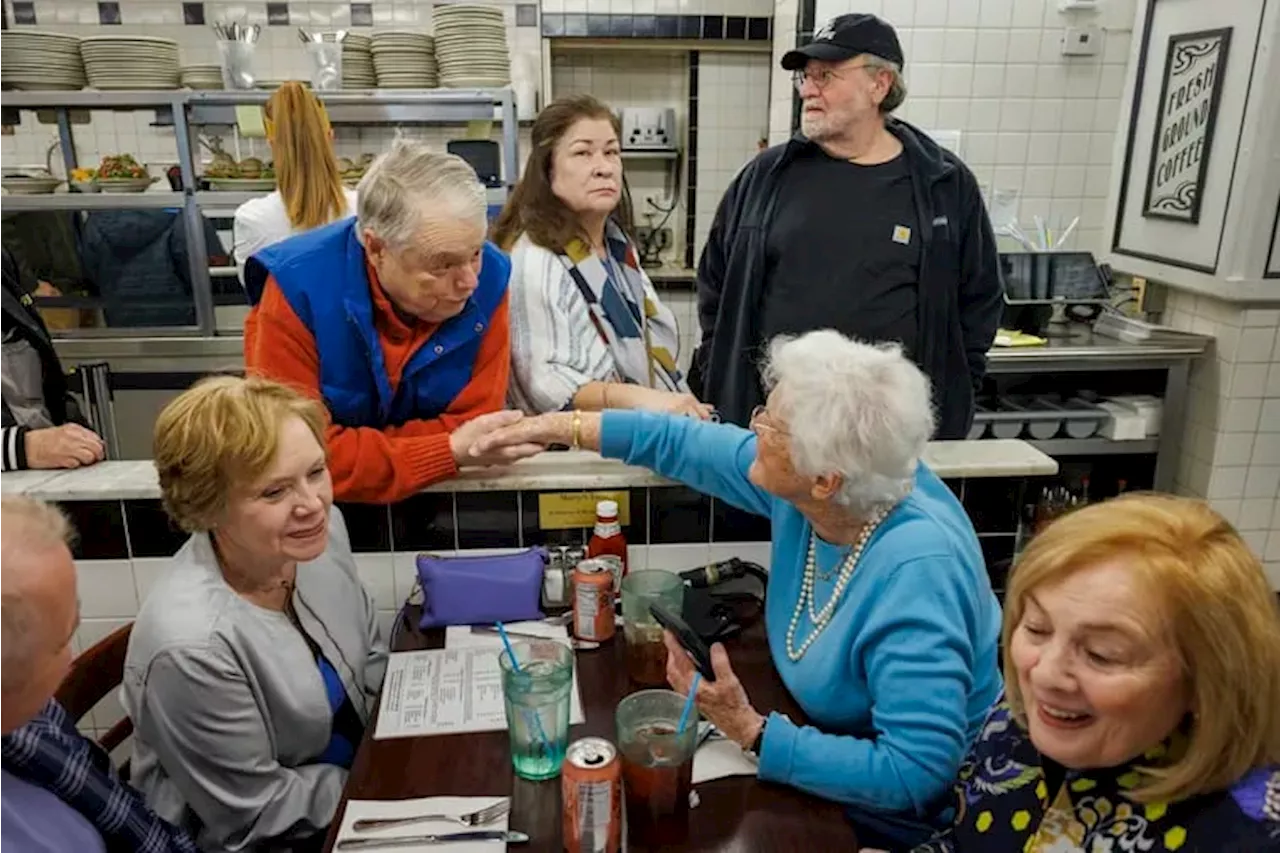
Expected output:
(845, 37)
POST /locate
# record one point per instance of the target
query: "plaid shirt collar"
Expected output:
(50, 753)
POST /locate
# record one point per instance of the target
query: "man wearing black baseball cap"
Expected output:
(862, 223)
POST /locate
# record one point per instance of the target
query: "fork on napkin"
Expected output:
(365, 809)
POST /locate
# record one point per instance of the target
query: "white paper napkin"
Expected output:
(360, 809)
(721, 758)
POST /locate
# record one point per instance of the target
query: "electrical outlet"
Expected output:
(642, 233)
(664, 239)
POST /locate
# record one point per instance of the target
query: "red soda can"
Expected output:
(592, 786)
(593, 600)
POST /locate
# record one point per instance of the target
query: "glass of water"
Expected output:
(535, 687)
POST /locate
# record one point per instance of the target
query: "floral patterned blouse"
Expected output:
(1006, 804)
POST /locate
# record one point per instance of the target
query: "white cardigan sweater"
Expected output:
(555, 349)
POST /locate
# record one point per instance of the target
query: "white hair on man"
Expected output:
(851, 408)
(29, 529)
(411, 182)
(897, 89)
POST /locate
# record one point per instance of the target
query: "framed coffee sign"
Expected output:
(1189, 95)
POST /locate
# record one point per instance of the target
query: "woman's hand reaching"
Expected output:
(654, 400)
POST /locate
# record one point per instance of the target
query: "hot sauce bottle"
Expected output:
(608, 542)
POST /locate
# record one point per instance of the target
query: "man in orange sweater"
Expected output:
(397, 321)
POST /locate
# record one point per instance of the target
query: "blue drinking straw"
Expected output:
(688, 703)
(515, 664)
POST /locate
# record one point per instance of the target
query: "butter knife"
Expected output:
(415, 840)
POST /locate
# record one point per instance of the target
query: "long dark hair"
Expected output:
(533, 208)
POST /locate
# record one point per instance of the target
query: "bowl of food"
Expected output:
(84, 180)
(248, 175)
(351, 171)
(33, 181)
(122, 174)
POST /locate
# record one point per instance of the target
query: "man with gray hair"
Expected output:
(861, 223)
(58, 790)
(396, 320)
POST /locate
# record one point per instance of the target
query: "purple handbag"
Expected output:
(481, 590)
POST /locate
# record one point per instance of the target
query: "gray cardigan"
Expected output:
(227, 701)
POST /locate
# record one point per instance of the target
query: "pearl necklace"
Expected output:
(808, 600)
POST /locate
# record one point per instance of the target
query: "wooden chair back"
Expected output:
(94, 674)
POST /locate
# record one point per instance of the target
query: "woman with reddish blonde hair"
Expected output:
(1142, 704)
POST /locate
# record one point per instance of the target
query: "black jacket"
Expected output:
(21, 316)
(960, 292)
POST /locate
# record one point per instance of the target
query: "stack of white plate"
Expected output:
(404, 59)
(357, 63)
(131, 62)
(36, 60)
(471, 46)
(201, 76)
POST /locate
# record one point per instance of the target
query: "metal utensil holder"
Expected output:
(99, 404)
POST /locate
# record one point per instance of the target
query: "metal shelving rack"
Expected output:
(186, 110)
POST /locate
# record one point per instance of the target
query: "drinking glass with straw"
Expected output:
(537, 677)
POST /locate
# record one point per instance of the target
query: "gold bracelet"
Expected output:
(577, 430)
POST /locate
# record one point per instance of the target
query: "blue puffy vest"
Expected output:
(322, 275)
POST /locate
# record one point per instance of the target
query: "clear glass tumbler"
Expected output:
(657, 766)
(536, 694)
(646, 654)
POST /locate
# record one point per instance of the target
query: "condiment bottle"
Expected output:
(607, 541)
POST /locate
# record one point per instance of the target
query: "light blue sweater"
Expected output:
(899, 682)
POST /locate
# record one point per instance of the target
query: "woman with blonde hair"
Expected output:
(1142, 705)
(255, 662)
(309, 190)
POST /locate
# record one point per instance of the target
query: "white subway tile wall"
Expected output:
(1230, 451)
(107, 586)
(733, 116)
(1031, 120)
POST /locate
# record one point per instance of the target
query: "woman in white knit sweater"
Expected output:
(587, 328)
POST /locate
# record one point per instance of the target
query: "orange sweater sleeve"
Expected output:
(368, 465)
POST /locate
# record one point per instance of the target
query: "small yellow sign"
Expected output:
(568, 510)
(249, 120)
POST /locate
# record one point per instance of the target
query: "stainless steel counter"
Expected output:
(144, 361)
(1084, 350)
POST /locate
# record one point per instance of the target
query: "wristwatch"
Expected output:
(754, 749)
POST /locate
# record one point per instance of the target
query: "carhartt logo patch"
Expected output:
(901, 234)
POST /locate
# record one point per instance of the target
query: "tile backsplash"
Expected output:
(1230, 453)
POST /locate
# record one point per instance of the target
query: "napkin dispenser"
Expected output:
(648, 128)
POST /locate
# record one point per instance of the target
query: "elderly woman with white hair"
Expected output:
(397, 320)
(880, 614)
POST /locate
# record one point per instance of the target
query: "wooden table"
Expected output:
(740, 813)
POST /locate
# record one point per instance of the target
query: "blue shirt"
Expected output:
(33, 820)
(48, 755)
(899, 682)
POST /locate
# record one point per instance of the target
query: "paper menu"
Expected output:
(448, 691)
